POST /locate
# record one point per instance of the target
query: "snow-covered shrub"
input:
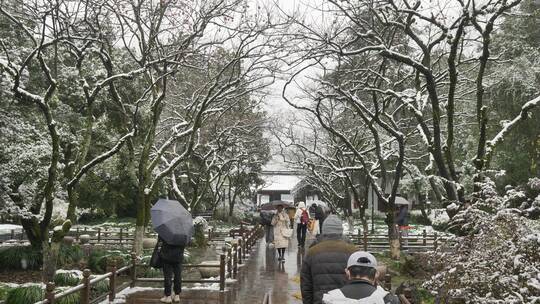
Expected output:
(496, 253)
(525, 198)
(201, 222)
(200, 226)
(439, 218)
(498, 263)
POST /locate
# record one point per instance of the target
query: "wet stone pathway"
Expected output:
(262, 273)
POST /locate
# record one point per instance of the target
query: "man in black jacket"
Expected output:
(172, 257)
(322, 268)
(266, 220)
(362, 274)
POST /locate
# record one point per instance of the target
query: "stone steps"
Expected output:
(186, 297)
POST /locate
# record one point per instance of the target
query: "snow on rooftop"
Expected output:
(279, 182)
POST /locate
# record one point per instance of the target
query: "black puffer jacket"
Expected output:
(323, 268)
(171, 254)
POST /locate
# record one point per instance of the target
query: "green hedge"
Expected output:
(11, 258)
(98, 260)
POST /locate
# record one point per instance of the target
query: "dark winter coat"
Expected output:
(323, 268)
(319, 213)
(171, 254)
(403, 216)
(266, 218)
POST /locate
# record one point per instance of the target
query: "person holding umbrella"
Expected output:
(172, 258)
(174, 226)
(282, 232)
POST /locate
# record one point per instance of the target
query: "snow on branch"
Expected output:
(511, 124)
(101, 158)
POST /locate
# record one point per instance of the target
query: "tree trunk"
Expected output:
(32, 230)
(393, 236)
(436, 191)
(142, 220)
(72, 199)
(50, 258)
(137, 242)
(365, 229)
(393, 240)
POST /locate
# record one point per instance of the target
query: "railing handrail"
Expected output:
(231, 257)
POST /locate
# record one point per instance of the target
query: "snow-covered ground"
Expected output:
(437, 216)
(6, 228)
(121, 297)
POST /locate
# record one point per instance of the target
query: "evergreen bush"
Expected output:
(99, 259)
(25, 295)
(11, 258)
(69, 255)
(67, 278)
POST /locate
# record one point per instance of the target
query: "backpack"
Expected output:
(304, 218)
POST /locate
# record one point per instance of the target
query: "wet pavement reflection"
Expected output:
(264, 273)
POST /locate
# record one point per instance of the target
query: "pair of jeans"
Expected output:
(301, 234)
(170, 269)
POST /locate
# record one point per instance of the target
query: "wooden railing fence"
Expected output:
(229, 263)
(412, 242)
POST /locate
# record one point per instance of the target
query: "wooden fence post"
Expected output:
(244, 244)
(435, 241)
(424, 237)
(229, 262)
(98, 235)
(222, 272)
(240, 242)
(400, 237)
(49, 292)
(387, 281)
(77, 234)
(235, 260)
(85, 292)
(121, 235)
(12, 234)
(133, 270)
(112, 281)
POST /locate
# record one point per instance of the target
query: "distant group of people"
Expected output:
(333, 271)
(278, 224)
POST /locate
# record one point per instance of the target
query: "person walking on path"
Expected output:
(266, 220)
(362, 275)
(319, 215)
(301, 219)
(172, 257)
(281, 223)
(325, 260)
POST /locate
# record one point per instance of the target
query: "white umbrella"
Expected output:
(401, 201)
(319, 203)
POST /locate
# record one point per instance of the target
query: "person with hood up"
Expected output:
(322, 268)
(362, 275)
(301, 219)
